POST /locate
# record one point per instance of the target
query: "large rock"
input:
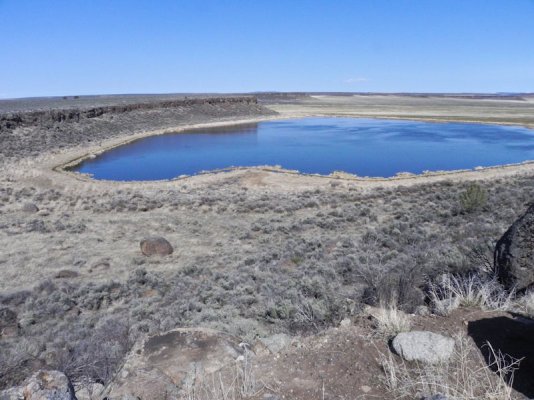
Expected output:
(156, 245)
(165, 365)
(514, 253)
(43, 385)
(276, 343)
(30, 208)
(423, 346)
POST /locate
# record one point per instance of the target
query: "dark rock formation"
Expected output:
(514, 253)
(163, 365)
(26, 131)
(12, 120)
(156, 245)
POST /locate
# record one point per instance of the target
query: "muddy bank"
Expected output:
(29, 133)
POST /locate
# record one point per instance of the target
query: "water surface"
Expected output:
(366, 147)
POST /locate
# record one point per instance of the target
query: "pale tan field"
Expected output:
(513, 112)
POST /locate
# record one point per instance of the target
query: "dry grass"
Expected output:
(390, 320)
(451, 291)
(234, 383)
(466, 376)
(525, 304)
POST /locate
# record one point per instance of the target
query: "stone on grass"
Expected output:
(156, 245)
(423, 346)
(66, 274)
(30, 208)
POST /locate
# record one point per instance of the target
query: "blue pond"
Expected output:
(366, 147)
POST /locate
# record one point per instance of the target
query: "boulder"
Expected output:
(514, 253)
(30, 208)
(156, 245)
(165, 365)
(423, 346)
(43, 385)
(66, 273)
(276, 343)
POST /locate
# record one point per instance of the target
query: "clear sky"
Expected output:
(69, 47)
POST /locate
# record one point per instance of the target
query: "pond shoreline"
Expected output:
(74, 159)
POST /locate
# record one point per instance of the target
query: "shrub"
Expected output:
(473, 198)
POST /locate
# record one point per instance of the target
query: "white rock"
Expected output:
(423, 346)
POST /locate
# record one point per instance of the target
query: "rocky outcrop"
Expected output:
(26, 132)
(43, 385)
(12, 120)
(514, 253)
(423, 346)
(156, 246)
(164, 365)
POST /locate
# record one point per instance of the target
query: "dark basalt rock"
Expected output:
(514, 253)
(30, 129)
(156, 245)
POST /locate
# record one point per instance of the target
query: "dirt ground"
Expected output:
(345, 362)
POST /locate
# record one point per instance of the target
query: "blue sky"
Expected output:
(69, 47)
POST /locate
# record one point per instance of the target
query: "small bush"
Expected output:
(473, 198)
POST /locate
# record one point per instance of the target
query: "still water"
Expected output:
(366, 147)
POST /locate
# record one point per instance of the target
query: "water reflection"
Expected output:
(367, 147)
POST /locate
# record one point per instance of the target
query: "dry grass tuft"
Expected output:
(525, 305)
(234, 383)
(390, 320)
(472, 290)
(466, 376)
